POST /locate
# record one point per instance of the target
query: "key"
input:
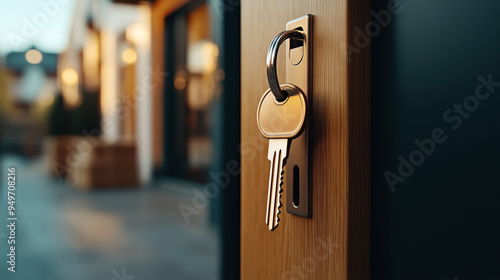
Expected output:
(277, 154)
(280, 122)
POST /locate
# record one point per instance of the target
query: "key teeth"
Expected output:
(282, 162)
(279, 205)
(280, 190)
(278, 211)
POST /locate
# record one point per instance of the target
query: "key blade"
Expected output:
(277, 154)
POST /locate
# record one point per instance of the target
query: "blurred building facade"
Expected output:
(109, 55)
(142, 90)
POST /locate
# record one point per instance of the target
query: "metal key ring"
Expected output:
(272, 54)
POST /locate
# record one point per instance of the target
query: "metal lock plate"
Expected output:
(298, 72)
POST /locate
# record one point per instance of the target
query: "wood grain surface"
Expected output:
(334, 243)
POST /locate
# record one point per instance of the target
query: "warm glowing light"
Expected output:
(202, 57)
(33, 56)
(69, 76)
(138, 33)
(91, 61)
(209, 54)
(129, 56)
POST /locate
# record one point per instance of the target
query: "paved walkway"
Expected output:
(69, 235)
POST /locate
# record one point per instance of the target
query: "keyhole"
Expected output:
(296, 52)
(296, 187)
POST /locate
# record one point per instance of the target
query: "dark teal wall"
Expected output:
(442, 220)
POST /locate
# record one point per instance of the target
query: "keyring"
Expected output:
(272, 54)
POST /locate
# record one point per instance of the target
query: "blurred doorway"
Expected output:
(192, 58)
(201, 112)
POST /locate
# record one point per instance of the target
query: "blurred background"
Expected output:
(122, 121)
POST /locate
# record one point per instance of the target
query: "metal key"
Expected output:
(280, 122)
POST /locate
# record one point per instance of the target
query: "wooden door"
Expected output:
(334, 242)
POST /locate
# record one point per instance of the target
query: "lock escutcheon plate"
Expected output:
(298, 179)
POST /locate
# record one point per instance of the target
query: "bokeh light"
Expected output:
(69, 76)
(33, 56)
(129, 56)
